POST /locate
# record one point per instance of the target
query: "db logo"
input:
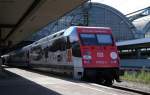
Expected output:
(100, 54)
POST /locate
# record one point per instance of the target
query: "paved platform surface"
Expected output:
(16, 81)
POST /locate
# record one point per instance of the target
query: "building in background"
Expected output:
(141, 20)
(93, 14)
(143, 27)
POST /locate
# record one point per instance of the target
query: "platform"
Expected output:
(28, 82)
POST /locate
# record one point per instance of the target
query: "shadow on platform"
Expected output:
(12, 84)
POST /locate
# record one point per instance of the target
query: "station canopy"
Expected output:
(21, 18)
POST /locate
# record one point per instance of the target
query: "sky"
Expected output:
(125, 6)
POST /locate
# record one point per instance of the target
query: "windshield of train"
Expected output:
(88, 39)
(96, 39)
(104, 39)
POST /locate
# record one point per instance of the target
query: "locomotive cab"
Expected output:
(95, 55)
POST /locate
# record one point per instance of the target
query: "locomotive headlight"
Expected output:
(113, 55)
(87, 57)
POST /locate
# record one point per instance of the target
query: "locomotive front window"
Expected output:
(88, 39)
(104, 39)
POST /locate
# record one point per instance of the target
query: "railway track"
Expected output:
(122, 88)
(130, 90)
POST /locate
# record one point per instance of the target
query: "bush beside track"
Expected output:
(137, 76)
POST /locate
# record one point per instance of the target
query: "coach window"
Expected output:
(37, 53)
(46, 52)
(28, 54)
(51, 48)
(58, 44)
(63, 44)
(68, 45)
(55, 46)
(76, 49)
